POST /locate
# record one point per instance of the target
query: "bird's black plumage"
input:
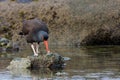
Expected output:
(35, 30)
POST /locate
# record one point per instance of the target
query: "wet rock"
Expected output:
(8, 45)
(3, 42)
(51, 61)
(66, 58)
(61, 73)
(103, 36)
(19, 63)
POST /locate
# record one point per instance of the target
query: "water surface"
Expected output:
(87, 63)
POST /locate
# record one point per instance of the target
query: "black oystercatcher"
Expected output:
(36, 31)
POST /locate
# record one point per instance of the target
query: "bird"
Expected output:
(36, 31)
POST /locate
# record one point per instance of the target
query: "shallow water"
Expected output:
(87, 63)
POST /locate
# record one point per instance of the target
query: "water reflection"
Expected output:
(43, 73)
(87, 63)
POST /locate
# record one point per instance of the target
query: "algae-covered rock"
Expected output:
(52, 60)
(8, 45)
(47, 61)
(19, 63)
(71, 22)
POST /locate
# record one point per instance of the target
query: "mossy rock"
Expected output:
(51, 61)
(19, 63)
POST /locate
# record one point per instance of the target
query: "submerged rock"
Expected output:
(51, 61)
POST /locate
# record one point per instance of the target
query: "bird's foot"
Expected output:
(49, 54)
(36, 55)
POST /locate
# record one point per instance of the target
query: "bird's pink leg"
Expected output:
(37, 48)
(33, 48)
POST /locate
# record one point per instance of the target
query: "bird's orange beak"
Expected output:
(46, 45)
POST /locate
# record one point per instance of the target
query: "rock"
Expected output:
(66, 58)
(51, 61)
(8, 45)
(103, 36)
(61, 73)
(70, 21)
(3, 42)
(21, 63)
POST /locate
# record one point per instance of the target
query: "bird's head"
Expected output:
(43, 35)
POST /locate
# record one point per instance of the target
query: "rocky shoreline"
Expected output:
(70, 22)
